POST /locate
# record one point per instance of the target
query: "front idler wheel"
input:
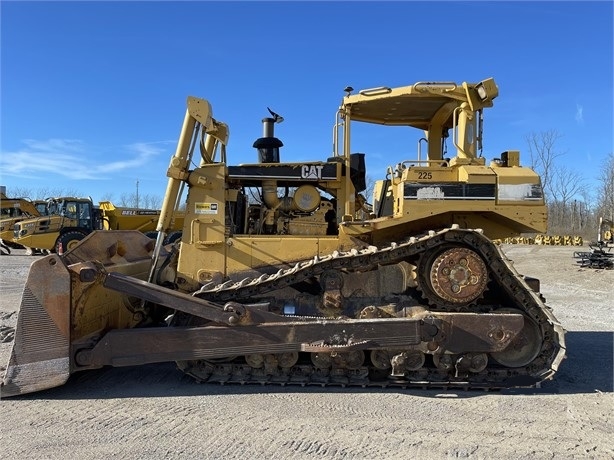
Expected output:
(523, 348)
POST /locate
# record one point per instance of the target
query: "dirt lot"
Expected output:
(155, 412)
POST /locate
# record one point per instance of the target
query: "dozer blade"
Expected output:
(56, 308)
(40, 355)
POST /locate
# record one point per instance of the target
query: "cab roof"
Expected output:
(415, 105)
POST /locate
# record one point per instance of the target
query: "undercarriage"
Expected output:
(441, 273)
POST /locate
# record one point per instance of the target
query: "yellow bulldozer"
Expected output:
(281, 277)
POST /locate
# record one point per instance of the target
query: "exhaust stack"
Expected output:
(268, 145)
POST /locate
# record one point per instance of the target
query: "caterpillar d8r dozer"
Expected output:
(284, 275)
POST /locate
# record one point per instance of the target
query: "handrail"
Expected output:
(375, 91)
(455, 129)
(420, 146)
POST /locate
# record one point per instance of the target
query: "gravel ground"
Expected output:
(155, 412)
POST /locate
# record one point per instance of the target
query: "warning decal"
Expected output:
(205, 208)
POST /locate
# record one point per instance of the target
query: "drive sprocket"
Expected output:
(453, 276)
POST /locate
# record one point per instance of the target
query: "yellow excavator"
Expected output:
(284, 274)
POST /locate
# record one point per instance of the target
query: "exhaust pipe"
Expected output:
(268, 145)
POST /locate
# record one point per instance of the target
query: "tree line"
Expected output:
(125, 200)
(574, 203)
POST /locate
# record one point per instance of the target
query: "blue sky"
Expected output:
(93, 93)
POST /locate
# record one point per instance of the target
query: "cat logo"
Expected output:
(312, 172)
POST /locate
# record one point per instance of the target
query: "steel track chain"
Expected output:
(502, 272)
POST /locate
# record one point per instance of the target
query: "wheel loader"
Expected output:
(14, 210)
(68, 220)
(284, 275)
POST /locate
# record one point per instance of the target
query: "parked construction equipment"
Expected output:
(13, 210)
(69, 219)
(600, 254)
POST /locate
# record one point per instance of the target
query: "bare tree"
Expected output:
(567, 186)
(585, 212)
(543, 151)
(150, 202)
(19, 192)
(41, 193)
(606, 189)
(146, 201)
(126, 199)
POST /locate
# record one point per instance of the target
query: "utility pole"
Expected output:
(137, 193)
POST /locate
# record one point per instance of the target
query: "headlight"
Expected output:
(481, 91)
(487, 89)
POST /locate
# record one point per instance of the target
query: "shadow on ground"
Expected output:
(589, 366)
